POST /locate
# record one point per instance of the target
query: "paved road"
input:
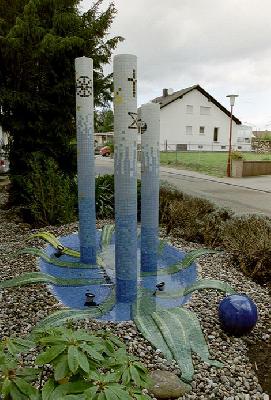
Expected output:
(246, 195)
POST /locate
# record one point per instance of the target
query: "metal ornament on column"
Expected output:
(150, 156)
(125, 136)
(85, 159)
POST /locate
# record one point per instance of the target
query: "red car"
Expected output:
(105, 151)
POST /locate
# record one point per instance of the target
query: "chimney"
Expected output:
(165, 92)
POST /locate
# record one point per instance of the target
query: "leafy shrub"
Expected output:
(49, 195)
(210, 226)
(188, 215)
(183, 214)
(168, 194)
(248, 238)
(79, 365)
(236, 155)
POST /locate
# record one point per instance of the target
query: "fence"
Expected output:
(214, 147)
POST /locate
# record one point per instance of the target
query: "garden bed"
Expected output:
(22, 308)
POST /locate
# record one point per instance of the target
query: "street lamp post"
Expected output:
(232, 101)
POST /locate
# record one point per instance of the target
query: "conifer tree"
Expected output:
(37, 83)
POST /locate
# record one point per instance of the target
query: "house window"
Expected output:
(205, 110)
(201, 130)
(215, 134)
(200, 146)
(239, 147)
(223, 147)
(189, 109)
(181, 147)
(188, 130)
(247, 140)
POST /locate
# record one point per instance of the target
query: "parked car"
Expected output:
(98, 148)
(105, 151)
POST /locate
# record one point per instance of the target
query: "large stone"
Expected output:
(166, 385)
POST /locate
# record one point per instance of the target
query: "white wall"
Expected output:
(175, 119)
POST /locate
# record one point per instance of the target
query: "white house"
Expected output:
(191, 119)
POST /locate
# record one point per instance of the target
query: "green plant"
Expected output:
(41, 39)
(248, 239)
(236, 155)
(49, 195)
(184, 217)
(104, 194)
(167, 195)
(210, 226)
(82, 366)
(266, 136)
(105, 198)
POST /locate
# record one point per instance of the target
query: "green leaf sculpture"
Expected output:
(176, 332)
(52, 239)
(55, 261)
(30, 278)
(190, 257)
(106, 235)
(62, 316)
(198, 285)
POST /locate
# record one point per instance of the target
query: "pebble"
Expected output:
(21, 308)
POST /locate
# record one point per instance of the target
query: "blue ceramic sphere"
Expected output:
(237, 314)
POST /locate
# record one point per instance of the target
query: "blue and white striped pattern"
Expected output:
(125, 136)
(85, 159)
(150, 156)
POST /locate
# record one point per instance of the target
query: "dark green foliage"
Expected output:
(49, 195)
(37, 79)
(9, 10)
(83, 366)
(248, 239)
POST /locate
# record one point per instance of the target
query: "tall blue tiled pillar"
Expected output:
(125, 137)
(85, 159)
(150, 162)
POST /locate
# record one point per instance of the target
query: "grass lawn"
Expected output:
(210, 163)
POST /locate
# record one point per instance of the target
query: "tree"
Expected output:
(104, 120)
(37, 84)
(9, 10)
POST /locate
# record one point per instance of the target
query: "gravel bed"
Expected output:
(22, 308)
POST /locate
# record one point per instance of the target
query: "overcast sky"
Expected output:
(223, 45)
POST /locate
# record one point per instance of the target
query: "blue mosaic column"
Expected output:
(85, 159)
(125, 138)
(150, 160)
